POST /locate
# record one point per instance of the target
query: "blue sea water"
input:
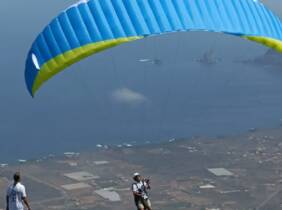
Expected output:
(117, 97)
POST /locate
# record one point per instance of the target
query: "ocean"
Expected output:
(148, 91)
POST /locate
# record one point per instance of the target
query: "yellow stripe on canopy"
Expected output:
(269, 42)
(62, 61)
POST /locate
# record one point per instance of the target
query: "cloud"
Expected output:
(127, 96)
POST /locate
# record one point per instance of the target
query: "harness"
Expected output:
(142, 190)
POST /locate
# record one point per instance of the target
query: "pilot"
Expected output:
(140, 189)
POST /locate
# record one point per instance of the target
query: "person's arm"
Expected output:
(7, 202)
(24, 198)
(26, 203)
(137, 193)
(135, 190)
(147, 184)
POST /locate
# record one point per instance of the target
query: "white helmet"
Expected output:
(136, 174)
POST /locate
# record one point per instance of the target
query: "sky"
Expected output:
(112, 97)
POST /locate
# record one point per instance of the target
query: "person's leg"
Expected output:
(140, 206)
(147, 204)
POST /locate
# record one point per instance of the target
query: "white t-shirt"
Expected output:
(16, 194)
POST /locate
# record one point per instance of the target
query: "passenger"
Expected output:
(140, 192)
(16, 195)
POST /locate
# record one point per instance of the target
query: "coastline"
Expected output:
(230, 172)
